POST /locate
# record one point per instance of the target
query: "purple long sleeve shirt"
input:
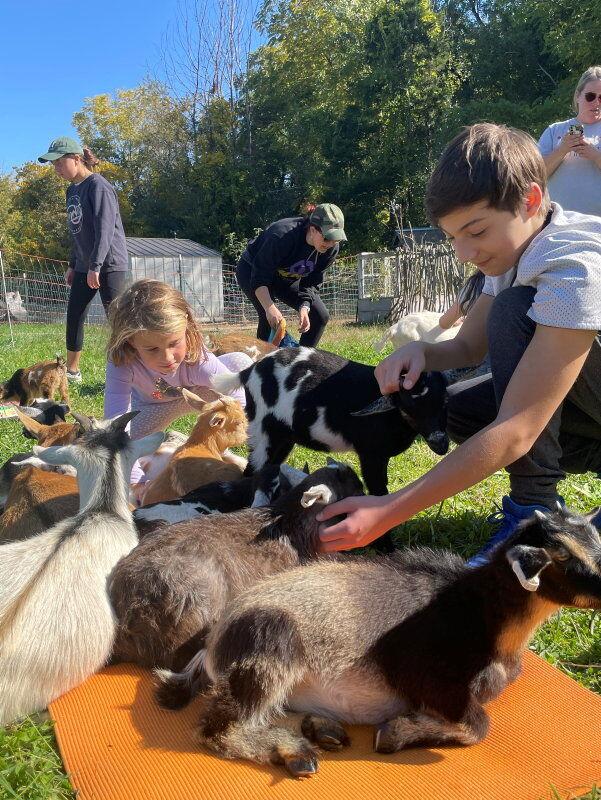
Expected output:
(133, 384)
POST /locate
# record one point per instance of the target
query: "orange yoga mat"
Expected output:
(117, 744)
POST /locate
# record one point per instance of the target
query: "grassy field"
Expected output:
(30, 768)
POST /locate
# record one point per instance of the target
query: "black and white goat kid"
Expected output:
(311, 397)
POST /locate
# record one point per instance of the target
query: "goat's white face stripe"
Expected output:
(424, 391)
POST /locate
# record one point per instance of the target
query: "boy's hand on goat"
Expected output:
(367, 519)
(409, 359)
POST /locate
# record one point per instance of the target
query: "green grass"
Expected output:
(571, 640)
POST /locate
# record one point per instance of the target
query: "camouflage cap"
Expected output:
(330, 221)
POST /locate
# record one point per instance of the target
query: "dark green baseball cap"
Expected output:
(330, 221)
(60, 147)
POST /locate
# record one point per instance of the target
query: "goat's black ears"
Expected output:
(379, 406)
(527, 563)
(306, 469)
(84, 421)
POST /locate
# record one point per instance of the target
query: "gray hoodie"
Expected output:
(96, 227)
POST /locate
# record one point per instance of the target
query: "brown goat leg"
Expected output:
(223, 730)
(326, 733)
(423, 730)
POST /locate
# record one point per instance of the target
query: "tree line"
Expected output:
(347, 101)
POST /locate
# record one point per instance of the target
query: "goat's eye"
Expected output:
(562, 554)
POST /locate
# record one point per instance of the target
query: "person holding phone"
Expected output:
(571, 150)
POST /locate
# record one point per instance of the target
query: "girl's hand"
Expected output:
(69, 276)
(274, 315)
(409, 359)
(303, 319)
(367, 519)
(93, 279)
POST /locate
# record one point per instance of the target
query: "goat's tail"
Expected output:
(226, 382)
(381, 344)
(177, 689)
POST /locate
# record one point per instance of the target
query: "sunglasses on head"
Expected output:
(590, 96)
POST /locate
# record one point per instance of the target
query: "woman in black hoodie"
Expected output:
(286, 262)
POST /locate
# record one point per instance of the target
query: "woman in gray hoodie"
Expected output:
(99, 254)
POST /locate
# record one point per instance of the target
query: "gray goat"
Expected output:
(170, 590)
(413, 643)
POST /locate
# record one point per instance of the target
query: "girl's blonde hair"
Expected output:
(591, 74)
(150, 305)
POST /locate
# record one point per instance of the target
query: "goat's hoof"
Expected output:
(327, 733)
(302, 766)
(384, 740)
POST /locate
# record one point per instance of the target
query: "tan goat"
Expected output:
(221, 424)
(38, 498)
(238, 343)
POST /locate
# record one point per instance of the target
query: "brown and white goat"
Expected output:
(34, 494)
(56, 622)
(170, 590)
(44, 379)
(414, 643)
(220, 424)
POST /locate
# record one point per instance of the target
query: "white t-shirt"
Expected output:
(563, 264)
(576, 183)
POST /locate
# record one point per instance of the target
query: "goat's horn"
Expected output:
(378, 406)
(84, 421)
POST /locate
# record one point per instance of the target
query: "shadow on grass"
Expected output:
(91, 389)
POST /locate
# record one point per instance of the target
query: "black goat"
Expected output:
(414, 643)
(255, 491)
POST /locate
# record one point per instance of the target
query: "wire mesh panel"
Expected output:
(421, 276)
(415, 277)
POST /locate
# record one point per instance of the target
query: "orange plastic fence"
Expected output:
(117, 744)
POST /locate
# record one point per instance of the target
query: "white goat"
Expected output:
(56, 623)
(422, 326)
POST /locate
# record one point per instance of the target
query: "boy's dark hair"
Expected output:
(486, 162)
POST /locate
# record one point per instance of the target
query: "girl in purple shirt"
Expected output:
(155, 349)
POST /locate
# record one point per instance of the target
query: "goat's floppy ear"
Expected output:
(306, 469)
(527, 563)
(378, 406)
(84, 421)
(55, 454)
(316, 494)
(33, 426)
(193, 400)
(217, 420)
(147, 445)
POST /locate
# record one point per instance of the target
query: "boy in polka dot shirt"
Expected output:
(538, 413)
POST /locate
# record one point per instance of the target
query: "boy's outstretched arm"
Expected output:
(542, 379)
(467, 349)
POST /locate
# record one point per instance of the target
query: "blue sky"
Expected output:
(47, 69)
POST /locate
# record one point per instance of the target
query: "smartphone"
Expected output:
(576, 129)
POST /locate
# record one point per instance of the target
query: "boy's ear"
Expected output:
(534, 200)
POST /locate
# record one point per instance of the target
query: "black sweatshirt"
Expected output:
(95, 226)
(282, 251)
